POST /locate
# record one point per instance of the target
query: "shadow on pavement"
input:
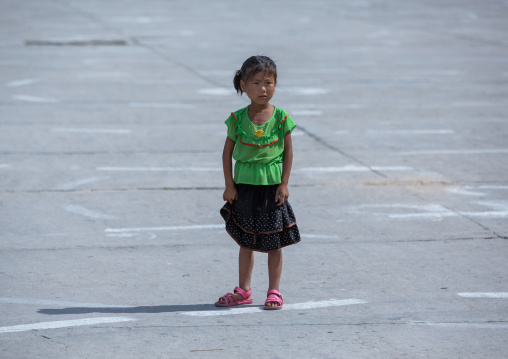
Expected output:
(134, 310)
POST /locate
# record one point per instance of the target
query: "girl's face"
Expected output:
(260, 88)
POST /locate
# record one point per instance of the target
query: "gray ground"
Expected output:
(110, 178)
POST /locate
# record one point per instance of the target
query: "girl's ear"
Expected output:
(242, 85)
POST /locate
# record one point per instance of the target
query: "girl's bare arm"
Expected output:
(282, 193)
(230, 193)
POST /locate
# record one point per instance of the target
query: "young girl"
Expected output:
(257, 213)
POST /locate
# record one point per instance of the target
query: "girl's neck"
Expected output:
(260, 114)
(255, 108)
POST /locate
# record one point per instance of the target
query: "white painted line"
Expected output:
(352, 169)
(122, 235)
(57, 303)
(76, 184)
(224, 73)
(465, 325)
(296, 306)
(64, 324)
(87, 213)
(410, 132)
(438, 72)
(491, 214)
(134, 20)
(503, 295)
(324, 304)
(4, 165)
(452, 152)
(318, 236)
(186, 33)
(464, 191)
(442, 215)
(336, 105)
(23, 82)
(492, 187)
(103, 74)
(321, 70)
(170, 228)
(433, 216)
(478, 104)
(161, 169)
(217, 91)
(308, 91)
(92, 130)
(306, 113)
(293, 134)
(35, 99)
(161, 105)
(435, 211)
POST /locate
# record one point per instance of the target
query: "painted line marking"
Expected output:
(452, 152)
(35, 99)
(492, 187)
(319, 236)
(64, 324)
(352, 169)
(103, 74)
(332, 106)
(306, 113)
(57, 303)
(76, 184)
(497, 295)
(92, 130)
(87, 213)
(160, 169)
(309, 91)
(296, 306)
(161, 105)
(217, 91)
(135, 20)
(464, 191)
(4, 165)
(438, 72)
(465, 325)
(122, 235)
(23, 82)
(435, 211)
(478, 104)
(169, 228)
(410, 132)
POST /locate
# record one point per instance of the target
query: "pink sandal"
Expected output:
(230, 299)
(274, 296)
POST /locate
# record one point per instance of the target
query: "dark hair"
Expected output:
(251, 67)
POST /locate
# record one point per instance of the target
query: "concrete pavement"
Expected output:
(111, 132)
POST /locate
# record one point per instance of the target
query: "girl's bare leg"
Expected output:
(274, 269)
(245, 266)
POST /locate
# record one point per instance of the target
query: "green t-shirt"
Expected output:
(258, 150)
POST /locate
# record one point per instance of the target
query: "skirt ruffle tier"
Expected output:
(255, 221)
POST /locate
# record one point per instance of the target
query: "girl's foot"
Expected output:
(238, 298)
(274, 300)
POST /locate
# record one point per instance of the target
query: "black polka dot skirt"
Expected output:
(256, 222)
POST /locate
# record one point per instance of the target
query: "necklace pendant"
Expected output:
(259, 133)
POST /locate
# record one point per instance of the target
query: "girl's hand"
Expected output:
(230, 194)
(282, 194)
